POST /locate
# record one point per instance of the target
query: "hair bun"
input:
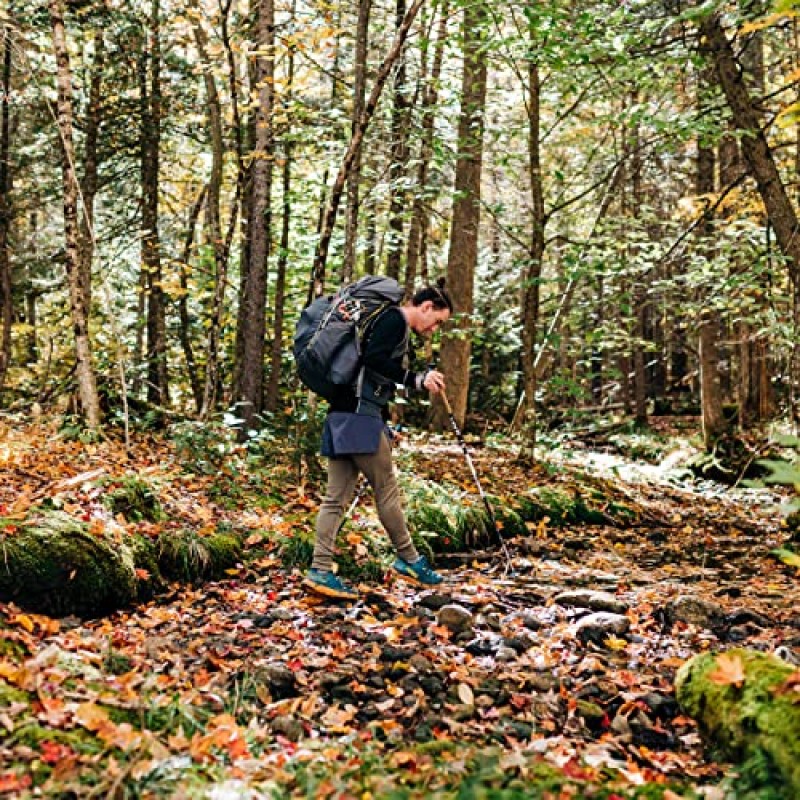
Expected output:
(440, 282)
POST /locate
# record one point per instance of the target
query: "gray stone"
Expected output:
(599, 626)
(506, 654)
(288, 727)
(695, 611)
(455, 618)
(596, 601)
(279, 679)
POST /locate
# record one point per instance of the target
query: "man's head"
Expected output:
(428, 309)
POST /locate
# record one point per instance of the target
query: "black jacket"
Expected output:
(385, 355)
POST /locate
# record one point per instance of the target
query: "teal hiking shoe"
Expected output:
(326, 583)
(419, 572)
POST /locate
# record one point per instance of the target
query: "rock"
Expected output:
(741, 632)
(506, 654)
(275, 615)
(431, 685)
(596, 601)
(599, 626)
(749, 718)
(289, 727)
(593, 715)
(390, 653)
(484, 646)
(744, 616)
(519, 644)
(420, 663)
(462, 712)
(532, 622)
(695, 611)
(455, 618)
(541, 682)
(434, 601)
(662, 706)
(279, 679)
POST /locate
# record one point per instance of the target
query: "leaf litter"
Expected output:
(251, 685)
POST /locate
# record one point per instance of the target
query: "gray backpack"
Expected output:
(330, 332)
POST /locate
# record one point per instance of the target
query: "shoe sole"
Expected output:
(416, 581)
(324, 590)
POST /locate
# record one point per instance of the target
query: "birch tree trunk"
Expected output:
(79, 305)
(463, 253)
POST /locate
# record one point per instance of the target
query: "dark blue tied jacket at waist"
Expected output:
(355, 420)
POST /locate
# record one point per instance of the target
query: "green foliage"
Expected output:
(204, 447)
(186, 556)
(135, 499)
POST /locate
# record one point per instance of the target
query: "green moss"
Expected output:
(559, 506)
(10, 694)
(135, 499)
(32, 735)
(752, 723)
(56, 566)
(297, 550)
(185, 556)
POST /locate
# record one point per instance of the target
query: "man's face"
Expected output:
(429, 318)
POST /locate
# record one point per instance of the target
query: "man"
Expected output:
(356, 440)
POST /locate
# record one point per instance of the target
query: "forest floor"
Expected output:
(251, 687)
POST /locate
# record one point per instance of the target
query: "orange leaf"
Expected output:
(729, 671)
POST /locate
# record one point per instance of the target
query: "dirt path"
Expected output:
(250, 685)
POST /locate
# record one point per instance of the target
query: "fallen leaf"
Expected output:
(729, 671)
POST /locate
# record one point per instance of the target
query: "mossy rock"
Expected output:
(135, 499)
(185, 556)
(755, 721)
(56, 566)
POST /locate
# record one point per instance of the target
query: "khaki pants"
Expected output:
(342, 477)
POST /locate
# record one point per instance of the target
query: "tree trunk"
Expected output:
(398, 162)
(463, 251)
(79, 307)
(531, 284)
(761, 165)
(6, 306)
(639, 291)
(214, 228)
(416, 262)
(150, 85)
(251, 391)
(276, 355)
(713, 418)
(331, 209)
(359, 91)
(185, 331)
(90, 165)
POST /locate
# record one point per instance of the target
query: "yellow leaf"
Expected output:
(615, 643)
(729, 671)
